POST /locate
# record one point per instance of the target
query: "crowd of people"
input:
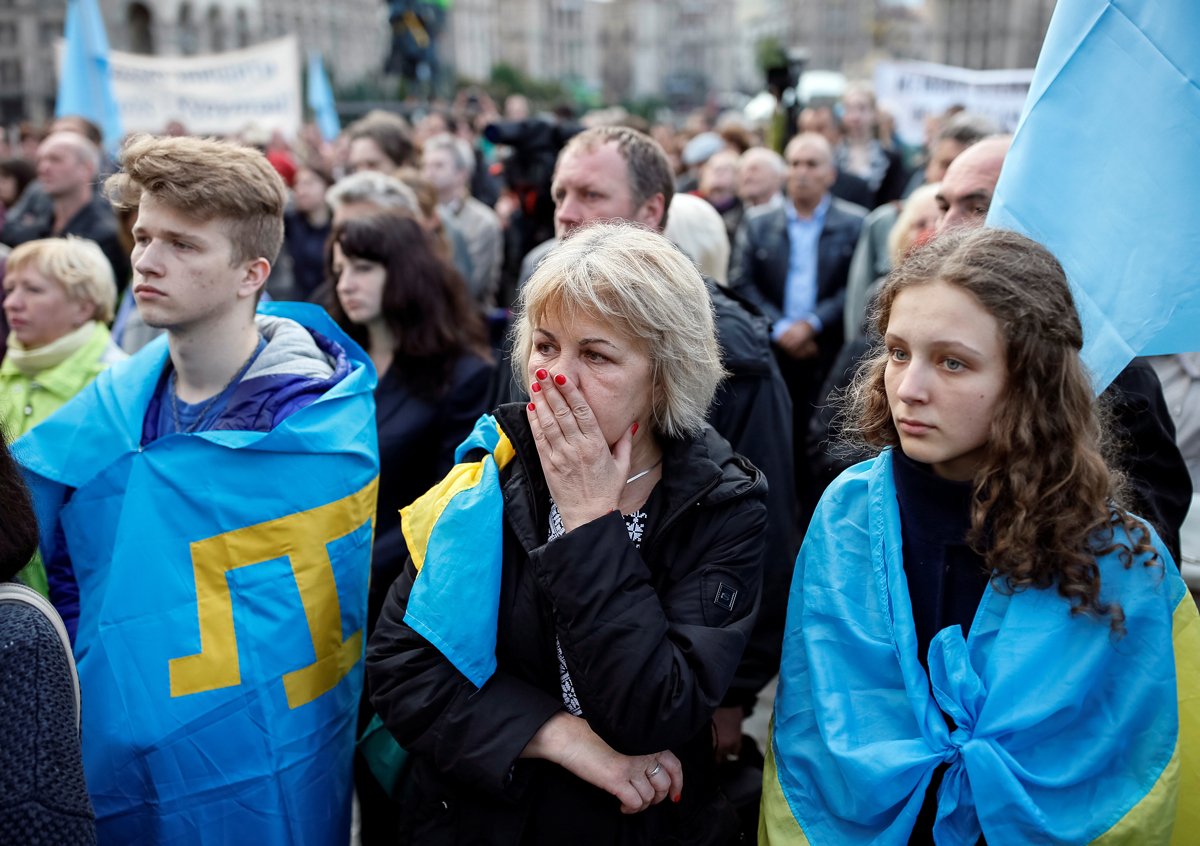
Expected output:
(475, 476)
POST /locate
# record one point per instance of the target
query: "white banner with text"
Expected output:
(914, 91)
(214, 94)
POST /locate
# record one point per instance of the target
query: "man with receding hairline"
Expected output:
(965, 193)
(792, 261)
(67, 165)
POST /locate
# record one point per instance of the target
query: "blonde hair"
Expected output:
(697, 228)
(205, 179)
(77, 264)
(639, 282)
(899, 240)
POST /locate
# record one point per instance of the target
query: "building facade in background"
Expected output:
(351, 35)
(676, 50)
(689, 48)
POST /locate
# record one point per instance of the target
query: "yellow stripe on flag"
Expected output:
(418, 519)
(776, 823)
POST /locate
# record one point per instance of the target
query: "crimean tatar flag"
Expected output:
(222, 583)
(1104, 171)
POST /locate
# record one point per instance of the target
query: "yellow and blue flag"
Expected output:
(223, 597)
(454, 536)
(1103, 170)
(1062, 732)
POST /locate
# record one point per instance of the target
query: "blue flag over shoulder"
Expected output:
(223, 591)
(1104, 171)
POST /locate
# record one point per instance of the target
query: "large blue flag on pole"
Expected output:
(1104, 170)
(320, 98)
(85, 80)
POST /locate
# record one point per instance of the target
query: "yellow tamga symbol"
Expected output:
(302, 537)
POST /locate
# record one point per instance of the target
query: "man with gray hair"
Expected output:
(447, 164)
(761, 174)
(369, 191)
(67, 165)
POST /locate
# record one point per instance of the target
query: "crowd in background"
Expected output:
(417, 231)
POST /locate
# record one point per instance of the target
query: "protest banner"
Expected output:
(913, 91)
(214, 94)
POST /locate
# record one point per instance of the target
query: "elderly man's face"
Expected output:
(593, 184)
(810, 171)
(965, 195)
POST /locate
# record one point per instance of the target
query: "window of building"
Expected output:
(141, 29)
(10, 72)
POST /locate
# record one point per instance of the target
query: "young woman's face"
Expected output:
(359, 286)
(945, 375)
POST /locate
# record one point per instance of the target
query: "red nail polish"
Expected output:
(535, 387)
(532, 407)
(560, 379)
(676, 798)
(633, 431)
(542, 373)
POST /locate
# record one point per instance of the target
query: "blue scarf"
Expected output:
(1062, 731)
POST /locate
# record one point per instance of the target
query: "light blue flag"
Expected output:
(1104, 171)
(320, 98)
(85, 85)
(1061, 732)
(223, 596)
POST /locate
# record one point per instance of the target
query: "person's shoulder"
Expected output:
(742, 332)
(846, 209)
(757, 217)
(852, 486)
(481, 210)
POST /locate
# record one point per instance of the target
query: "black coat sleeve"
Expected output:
(744, 272)
(1159, 483)
(650, 667)
(473, 734)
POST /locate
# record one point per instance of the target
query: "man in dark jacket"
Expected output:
(617, 173)
(792, 262)
(67, 167)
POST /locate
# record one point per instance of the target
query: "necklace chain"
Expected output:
(211, 400)
(637, 476)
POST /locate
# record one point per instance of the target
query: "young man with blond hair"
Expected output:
(206, 512)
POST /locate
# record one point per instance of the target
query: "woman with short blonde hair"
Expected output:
(621, 539)
(58, 295)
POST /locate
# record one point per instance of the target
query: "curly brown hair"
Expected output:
(1046, 501)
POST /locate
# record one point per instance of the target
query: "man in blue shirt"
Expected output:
(792, 261)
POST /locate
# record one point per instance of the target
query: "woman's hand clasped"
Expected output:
(585, 477)
(637, 781)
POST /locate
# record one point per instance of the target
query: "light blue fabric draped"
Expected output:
(223, 583)
(1060, 727)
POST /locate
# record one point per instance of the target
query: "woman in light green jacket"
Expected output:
(59, 294)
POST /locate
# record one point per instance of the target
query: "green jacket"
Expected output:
(26, 401)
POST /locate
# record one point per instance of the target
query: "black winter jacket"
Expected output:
(652, 638)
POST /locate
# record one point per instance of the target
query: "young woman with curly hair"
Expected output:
(982, 643)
